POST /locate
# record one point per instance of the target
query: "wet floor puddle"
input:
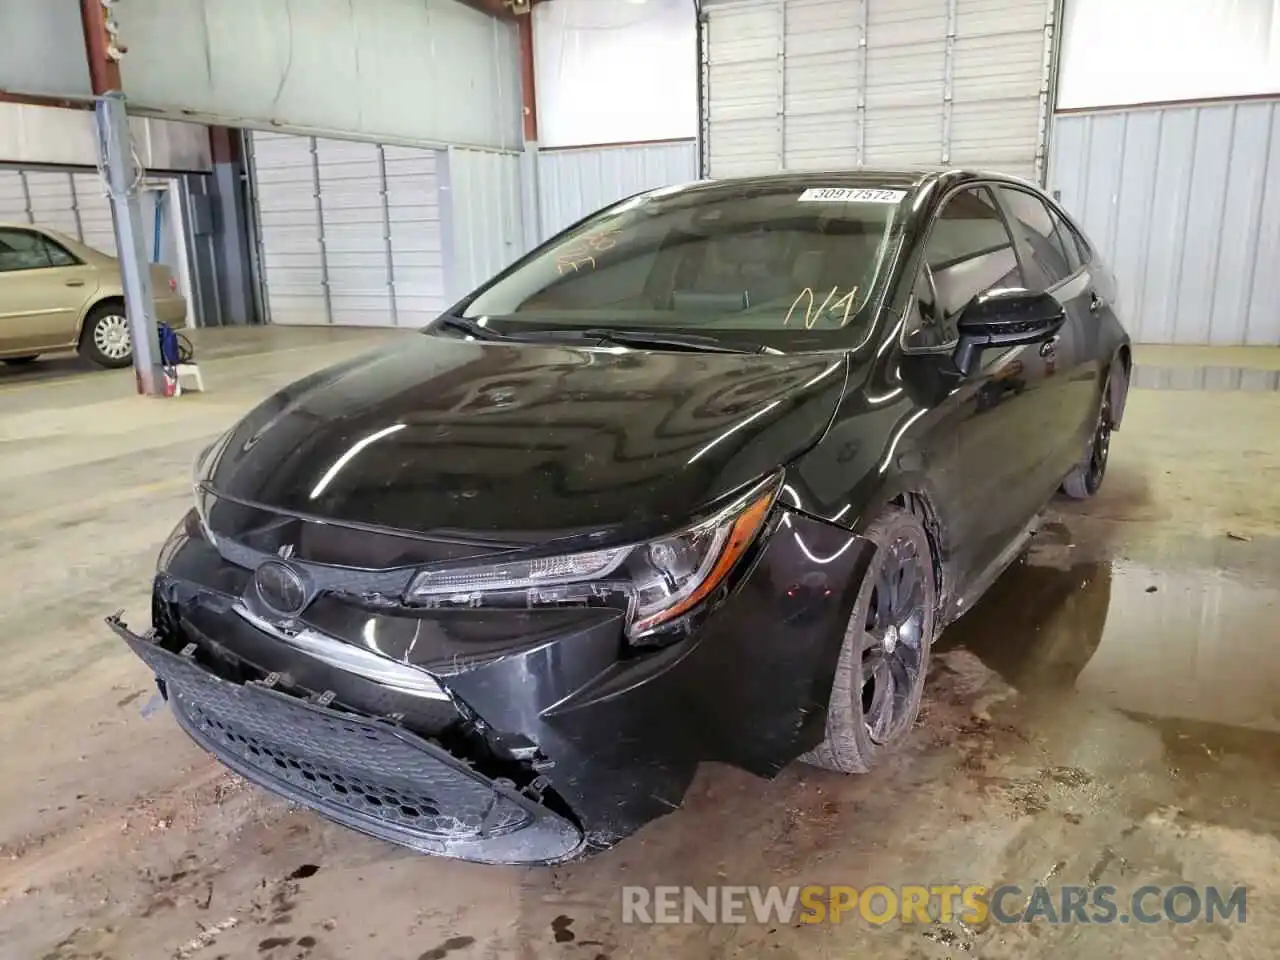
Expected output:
(1180, 637)
(1181, 630)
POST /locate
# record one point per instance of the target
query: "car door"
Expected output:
(994, 418)
(1053, 264)
(43, 292)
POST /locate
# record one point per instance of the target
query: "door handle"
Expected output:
(75, 283)
(1050, 346)
(1096, 303)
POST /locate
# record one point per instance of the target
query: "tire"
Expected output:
(870, 717)
(21, 361)
(1086, 479)
(100, 340)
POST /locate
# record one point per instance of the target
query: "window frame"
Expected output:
(1055, 215)
(47, 242)
(1001, 212)
(1082, 243)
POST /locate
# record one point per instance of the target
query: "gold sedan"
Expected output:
(58, 294)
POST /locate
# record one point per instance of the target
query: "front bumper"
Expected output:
(370, 775)
(547, 721)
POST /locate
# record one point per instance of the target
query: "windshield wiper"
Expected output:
(638, 338)
(472, 328)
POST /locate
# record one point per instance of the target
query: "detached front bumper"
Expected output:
(366, 774)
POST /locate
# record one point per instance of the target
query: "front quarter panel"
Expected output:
(748, 686)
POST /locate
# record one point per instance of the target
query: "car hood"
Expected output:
(524, 442)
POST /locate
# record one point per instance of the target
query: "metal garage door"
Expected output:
(349, 231)
(73, 203)
(826, 84)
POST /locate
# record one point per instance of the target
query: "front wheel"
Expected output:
(879, 680)
(106, 340)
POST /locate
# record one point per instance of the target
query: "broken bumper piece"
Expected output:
(366, 774)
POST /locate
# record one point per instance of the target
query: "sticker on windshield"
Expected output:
(851, 195)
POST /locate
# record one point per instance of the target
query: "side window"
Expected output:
(1075, 242)
(1069, 239)
(21, 250)
(27, 250)
(1037, 227)
(58, 257)
(969, 251)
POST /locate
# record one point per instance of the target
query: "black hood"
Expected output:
(530, 441)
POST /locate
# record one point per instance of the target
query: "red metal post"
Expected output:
(104, 70)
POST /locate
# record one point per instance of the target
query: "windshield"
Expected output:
(757, 259)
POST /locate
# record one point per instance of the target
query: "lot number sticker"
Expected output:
(851, 195)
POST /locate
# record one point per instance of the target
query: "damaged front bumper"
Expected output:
(367, 774)
(531, 736)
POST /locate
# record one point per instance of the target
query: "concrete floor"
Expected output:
(1109, 713)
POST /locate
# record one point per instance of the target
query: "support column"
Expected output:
(103, 53)
(116, 155)
(530, 191)
(231, 231)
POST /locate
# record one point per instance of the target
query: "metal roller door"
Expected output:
(73, 203)
(828, 84)
(349, 232)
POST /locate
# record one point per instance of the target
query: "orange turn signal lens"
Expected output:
(743, 526)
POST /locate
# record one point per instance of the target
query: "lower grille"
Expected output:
(364, 773)
(352, 764)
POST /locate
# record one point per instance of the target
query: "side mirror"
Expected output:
(1005, 318)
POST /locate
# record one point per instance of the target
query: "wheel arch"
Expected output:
(1122, 364)
(919, 503)
(911, 492)
(91, 307)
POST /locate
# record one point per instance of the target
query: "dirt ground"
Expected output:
(1109, 713)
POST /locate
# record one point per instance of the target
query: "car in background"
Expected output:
(57, 294)
(699, 479)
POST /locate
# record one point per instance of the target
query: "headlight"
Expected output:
(664, 578)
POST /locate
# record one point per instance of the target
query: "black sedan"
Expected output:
(701, 478)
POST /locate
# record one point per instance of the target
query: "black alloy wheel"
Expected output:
(1086, 479)
(879, 680)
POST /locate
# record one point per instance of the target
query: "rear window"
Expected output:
(768, 258)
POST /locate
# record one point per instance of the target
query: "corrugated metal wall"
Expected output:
(483, 224)
(826, 84)
(574, 183)
(1185, 204)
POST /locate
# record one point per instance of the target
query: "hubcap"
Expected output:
(892, 653)
(111, 337)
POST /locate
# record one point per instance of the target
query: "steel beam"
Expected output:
(115, 153)
(120, 171)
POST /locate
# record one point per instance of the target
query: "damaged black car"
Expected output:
(700, 479)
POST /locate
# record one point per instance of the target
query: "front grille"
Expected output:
(370, 771)
(365, 773)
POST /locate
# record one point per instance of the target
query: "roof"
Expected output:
(910, 179)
